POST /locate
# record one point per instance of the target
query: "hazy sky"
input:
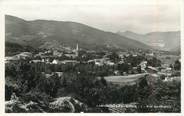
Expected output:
(140, 16)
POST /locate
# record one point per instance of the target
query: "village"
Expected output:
(122, 63)
(120, 69)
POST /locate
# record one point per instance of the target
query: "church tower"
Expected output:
(77, 50)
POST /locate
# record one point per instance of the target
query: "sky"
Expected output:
(140, 16)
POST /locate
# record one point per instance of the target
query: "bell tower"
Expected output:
(77, 50)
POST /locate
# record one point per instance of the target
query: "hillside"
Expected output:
(14, 48)
(168, 41)
(39, 33)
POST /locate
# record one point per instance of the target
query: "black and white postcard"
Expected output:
(91, 56)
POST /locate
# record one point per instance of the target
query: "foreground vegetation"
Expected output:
(29, 84)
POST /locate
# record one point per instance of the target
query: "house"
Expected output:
(47, 52)
(116, 72)
(122, 54)
(109, 63)
(47, 75)
(69, 62)
(57, 53)
(59, 73)
(35, 61)
(151, 69)
(47, 61)
(64, 62)
(70, 55)
(99, 62)
(134, 55)
(143, 65)
(127, 55)
(43, 60)
(149, 56)
(121, 62)
(168, 79)
(55, 61)
(90, 61)
(164, 66)
(168, 71)
(134, 70)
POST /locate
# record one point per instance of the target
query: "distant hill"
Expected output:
(52, 34)
(14, 48)
(168, 41)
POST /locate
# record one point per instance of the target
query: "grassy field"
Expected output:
(124, 80)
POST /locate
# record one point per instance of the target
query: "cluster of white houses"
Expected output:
(101, 62)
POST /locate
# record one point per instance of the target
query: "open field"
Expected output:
(124, 80)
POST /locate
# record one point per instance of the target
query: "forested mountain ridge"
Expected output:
(38, 33)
